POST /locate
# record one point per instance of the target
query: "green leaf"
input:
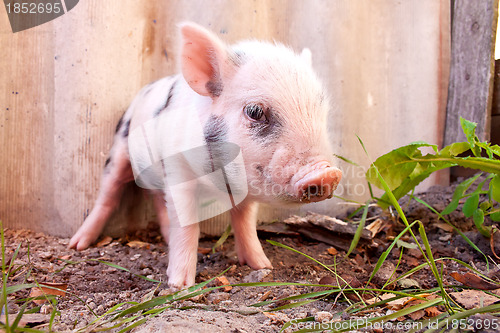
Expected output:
(396, 166)
(485, 205)
(495, 150)
(469, 129)
(495, 216)
(458, 194)
(402, 243)
(478, 218)
(452, 206)
(495, 188)
(455, 149)
(405, 167)
(471, 205)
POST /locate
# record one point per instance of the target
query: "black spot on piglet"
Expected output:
(214, 88)
(119, 125)
(167, 103)
(126, 129)
(215, 129)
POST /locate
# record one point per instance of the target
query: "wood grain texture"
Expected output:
(495, 129)
(495, 107)
(383, 62)
(472, 67)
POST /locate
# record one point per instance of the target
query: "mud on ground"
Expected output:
(95, 287)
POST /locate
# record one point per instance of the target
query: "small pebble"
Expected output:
(46, 309)
(216, 298)
(323, 317)
(257, 276)
(92, 305)
(45, 255)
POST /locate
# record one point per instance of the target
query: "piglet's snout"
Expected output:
(318, 184)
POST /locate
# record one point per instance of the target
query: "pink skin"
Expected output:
(291, 154)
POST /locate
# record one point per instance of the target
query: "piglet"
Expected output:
(241, 124)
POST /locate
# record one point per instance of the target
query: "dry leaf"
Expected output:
(223, 281)
(408, 283)
(30, 319)
(379, 298)
(104, 241)
(376, 226)
(265, 296)
(432, 311)
(473, 299)
(474, 281)
(277, 318)
(359, 260)
(492, 240)
(417, 315)
(138, 244)
(411, 261)
(398, 304)
(333, 251)
(269, 314)
(48, 289)
(204, 250)
(443, 226)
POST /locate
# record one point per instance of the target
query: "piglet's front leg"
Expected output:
(248, 247)
(182, 257)
(182, 240)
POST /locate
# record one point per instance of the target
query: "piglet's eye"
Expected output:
(255, 112)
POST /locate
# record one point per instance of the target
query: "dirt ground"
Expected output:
(96, 287)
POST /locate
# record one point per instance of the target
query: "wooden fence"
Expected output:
(64, 85)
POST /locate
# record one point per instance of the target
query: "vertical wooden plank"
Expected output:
(472, 67)
(101, 61)
(26, 123)
(495, 109)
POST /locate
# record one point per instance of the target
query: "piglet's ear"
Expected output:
(203, 58)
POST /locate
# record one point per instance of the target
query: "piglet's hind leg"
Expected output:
(116, 174)
(161, 212)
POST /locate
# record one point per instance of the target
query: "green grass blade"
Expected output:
(349, 325)
(359, 231)
(14, 256)
(432, 262)
(465, 314)
(346, 160)
(301, 253)
(294, 305)
(384, 255)
(440, 215)
(3, 300)
(295, 322)
(110, 264)
(222, 238)
(315, 294)
(18, 317)
(313, 259)
(459, 192)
